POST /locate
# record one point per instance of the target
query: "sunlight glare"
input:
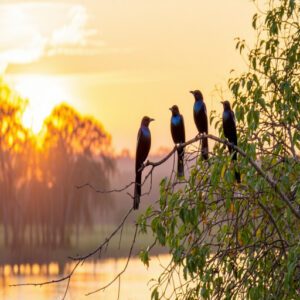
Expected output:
(43, 93)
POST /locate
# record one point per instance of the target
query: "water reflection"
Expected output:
(89, 277)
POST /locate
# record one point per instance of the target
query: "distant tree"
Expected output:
(79, 134)
(230, 241)
(78, 151)
(14, 143)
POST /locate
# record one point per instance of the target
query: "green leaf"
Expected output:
(155, 294)
(204, 293)
(144, 256)
(254, 20)
(161, 234)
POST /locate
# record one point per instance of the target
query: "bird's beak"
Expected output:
(192, 92)
(152, 119)
(222, 102)
(170, 108)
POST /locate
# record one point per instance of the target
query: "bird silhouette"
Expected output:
(142, 151)
(178, 135)
(200, 118)
(229, 128)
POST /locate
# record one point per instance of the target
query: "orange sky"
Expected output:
(121, 59)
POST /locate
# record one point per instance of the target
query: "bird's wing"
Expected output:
(138, 136)
(233, 117)
(182, 128)
(143, 146)
(206, 119)
(139, 150)
(226, 125)
(204, 106)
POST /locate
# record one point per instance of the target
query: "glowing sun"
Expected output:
(43, 94)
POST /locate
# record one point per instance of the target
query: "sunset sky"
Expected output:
(119, 60)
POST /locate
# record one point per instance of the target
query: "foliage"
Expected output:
(79, 134)
(230, 241)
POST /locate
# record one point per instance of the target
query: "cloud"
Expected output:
(73, 32)
(31, 31)
(106, 61)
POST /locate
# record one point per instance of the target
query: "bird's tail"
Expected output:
(236, 172)
(137, 190)
(234, 156)
(204, 148)
(180, 162)
(237, 176)
(230, 149)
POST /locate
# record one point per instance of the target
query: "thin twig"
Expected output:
(104, 191)
(84, 257)
(124, 269)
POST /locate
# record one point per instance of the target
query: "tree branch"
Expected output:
(259, 170)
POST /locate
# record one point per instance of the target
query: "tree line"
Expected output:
(39, 201)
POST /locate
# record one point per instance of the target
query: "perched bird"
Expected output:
(229, 128)
(200, 118)
(142, 151)
(178, 135)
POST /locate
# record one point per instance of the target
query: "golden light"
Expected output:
(43, 93)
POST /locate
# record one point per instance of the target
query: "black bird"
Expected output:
(178, 135)
(229, 128)
(142, 151)
(200, 118)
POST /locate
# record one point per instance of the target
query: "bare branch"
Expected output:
(104, 191)
(107, 240)
(123, 270)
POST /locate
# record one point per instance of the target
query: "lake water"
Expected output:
(89, 277)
